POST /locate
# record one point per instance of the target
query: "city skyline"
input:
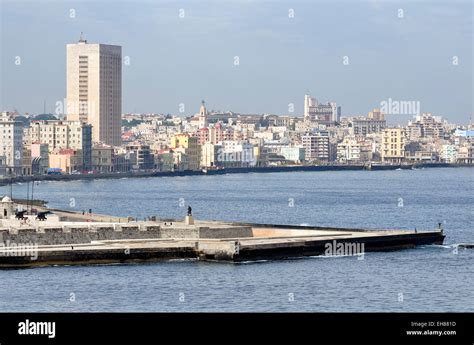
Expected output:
(209, 71)
(308, 159)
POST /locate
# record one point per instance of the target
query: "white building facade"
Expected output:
(11, 144)
(94, 89)
(316, 146)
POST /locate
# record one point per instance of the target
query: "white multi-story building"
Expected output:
(293, 153)
(94, 89)
(361, 126)
(425, 126)
(348, 150)
(59, 134)
(449, 153)
(209, 154)
(232, 153)
(316, 146)
(11, 143)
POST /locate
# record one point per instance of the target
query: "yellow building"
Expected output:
(188, 145)
(393, 145)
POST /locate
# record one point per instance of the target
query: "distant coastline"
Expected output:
(273, 169)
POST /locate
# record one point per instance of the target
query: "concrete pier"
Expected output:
(65, 238)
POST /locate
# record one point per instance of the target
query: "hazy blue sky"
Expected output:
(177, 60)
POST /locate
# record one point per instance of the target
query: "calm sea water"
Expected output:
(429, 278)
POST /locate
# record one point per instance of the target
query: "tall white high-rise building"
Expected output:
(309, 104)
(94, 89)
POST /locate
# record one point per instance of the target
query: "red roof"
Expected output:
(66, 151)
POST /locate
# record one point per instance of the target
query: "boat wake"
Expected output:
(452, 246)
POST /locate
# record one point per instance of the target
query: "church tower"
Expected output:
(203, 115)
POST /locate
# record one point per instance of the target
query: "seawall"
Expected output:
(6, 180)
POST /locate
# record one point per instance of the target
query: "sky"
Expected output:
(356, 53)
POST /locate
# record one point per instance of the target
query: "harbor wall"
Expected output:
(5, 180)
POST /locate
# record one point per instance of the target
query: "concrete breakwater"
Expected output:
(64, 238)
(7, 179)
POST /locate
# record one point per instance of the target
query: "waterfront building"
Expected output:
(348, 151)
(366, 151)
(466, 154)
(39, 158)
(189, 145)
(424, 156)
(121, 160)
(94, 89)
(316, 146)
(68, 160)
(164, 160)
(235, 154)
(393, 145)
(26, 161)
(180, 161)
(294, 154)
(209, 154)
(275, 146)
(103, 158)
(141, 157)
(261, 156)
(449, 153)
(74, 135)
(11, 144)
